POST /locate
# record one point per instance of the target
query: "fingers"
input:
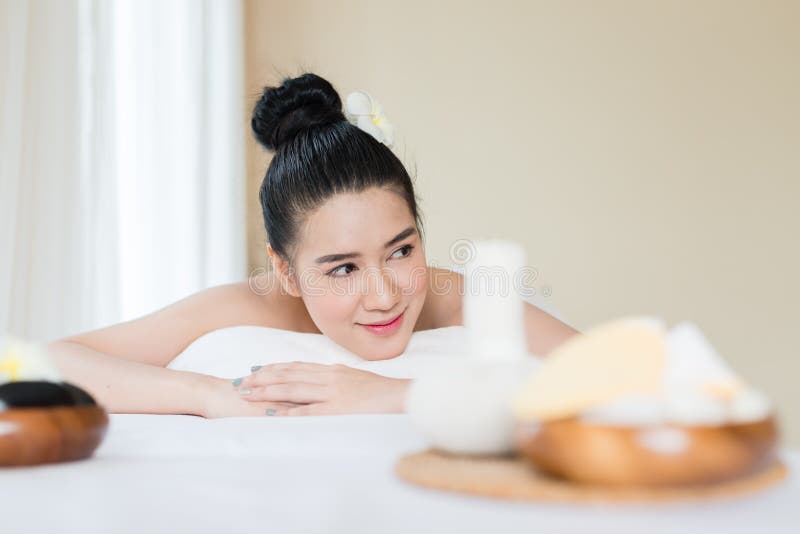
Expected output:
(292, 388)
(293, 392)
(282, 373)
(291, 365)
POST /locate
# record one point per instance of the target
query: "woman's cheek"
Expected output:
(330, 301)
(413, 278)
(334, 307)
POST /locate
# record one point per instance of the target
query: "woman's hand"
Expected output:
(221, 399)
(323, 389)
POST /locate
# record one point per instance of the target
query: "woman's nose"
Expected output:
(379, 289)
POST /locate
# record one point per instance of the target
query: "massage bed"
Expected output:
(178, 473)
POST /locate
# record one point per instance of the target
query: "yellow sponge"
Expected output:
(623, 357)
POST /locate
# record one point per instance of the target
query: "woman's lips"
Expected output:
(386, 328)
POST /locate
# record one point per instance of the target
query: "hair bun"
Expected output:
(297, 104)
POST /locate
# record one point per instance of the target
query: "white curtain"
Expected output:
(122, 158)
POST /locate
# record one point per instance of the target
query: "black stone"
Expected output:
(41, 394)
(79, 396)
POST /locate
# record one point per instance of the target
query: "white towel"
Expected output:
(230, 352)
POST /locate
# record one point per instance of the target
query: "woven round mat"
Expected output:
(515, 478)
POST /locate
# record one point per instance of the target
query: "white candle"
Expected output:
(493, 306)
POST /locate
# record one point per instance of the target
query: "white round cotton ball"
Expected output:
(467, 409)
(629, 410)
(663, 440)
(694, 408)
(749, 405)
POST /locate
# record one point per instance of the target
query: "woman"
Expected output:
(346, 246)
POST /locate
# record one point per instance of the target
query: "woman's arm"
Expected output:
(127, 386)
(543, 331)
(122, 365)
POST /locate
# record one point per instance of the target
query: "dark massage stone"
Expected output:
(80, 396)
(39, 394)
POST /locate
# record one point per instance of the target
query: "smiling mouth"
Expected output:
(390, 321)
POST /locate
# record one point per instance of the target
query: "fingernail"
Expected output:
(245, 391)
(270, 411)
(237, 382)
(256, 368)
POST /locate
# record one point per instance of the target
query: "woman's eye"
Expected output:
(347, 268)
(406, 249)
(338, 271)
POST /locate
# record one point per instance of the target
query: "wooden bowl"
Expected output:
(647, 456)
(46, 422)
(31, 436)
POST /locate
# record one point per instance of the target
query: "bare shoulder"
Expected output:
(443, 303)
(263, 302)
(256, 301)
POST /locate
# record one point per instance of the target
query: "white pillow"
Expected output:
(230, 352)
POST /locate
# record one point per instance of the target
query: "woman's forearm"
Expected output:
(125, 386)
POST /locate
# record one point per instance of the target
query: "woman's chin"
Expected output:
(383, 348)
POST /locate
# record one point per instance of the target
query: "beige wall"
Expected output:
(646, 153)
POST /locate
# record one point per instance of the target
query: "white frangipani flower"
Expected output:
(365, 112)
(22, 361)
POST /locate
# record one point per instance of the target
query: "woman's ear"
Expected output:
(284, 272)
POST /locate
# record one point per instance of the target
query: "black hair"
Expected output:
(318, 154)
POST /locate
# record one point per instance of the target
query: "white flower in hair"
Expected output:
(365, 112)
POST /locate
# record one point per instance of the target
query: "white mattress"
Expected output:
(158, 473)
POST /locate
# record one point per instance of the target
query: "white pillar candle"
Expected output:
(493, 306)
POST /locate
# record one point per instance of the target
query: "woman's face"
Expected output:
(359, 261)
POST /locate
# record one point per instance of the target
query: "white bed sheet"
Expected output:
(157, 473)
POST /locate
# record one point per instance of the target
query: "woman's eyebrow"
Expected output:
(399, 237)
(330, 258)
